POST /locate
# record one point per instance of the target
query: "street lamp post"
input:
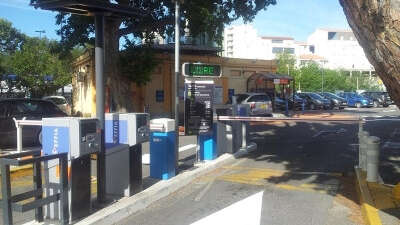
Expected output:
(40, 33)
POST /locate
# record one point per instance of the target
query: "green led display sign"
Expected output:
(201, 70)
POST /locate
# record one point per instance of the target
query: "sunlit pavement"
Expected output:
(300, 175)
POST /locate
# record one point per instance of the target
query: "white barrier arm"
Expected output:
(19, 124)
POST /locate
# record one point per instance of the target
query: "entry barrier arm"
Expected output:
(9, 202)
(269, 119)
(19, 124)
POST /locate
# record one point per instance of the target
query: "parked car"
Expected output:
(378, 98)
(260, 104)
(293, 103)
(315, 101)
(61, 102)
(356, 100)
(29, 109)
(336, 101)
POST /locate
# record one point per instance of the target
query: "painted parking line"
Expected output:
(259, 177)
(146, 157)
(247, 211)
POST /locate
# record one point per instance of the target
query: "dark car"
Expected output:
(294, 103)
(30, 109)
(378, 98)
(315, 101)
(336, 101)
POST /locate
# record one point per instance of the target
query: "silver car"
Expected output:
(260, 104)
(61, 102)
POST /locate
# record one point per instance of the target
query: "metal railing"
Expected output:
(11, 203)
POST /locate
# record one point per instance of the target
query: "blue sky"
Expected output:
(294, 18)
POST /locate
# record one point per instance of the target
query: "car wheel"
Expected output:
(312, 107)
(340, 108)
(358, 105)
(39, 137)
(386, 105)
(376, 104)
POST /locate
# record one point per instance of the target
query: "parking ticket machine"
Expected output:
(79, 137)
(125, 133)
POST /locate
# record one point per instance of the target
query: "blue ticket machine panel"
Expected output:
(162, 148)
(111, 129)
(77, 136)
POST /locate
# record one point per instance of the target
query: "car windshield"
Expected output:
(331, 95)
(316, 96)
(57, 101)
(241, 97)
(35, 108)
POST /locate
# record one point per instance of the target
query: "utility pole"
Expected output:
(177, 74)
(40, 33)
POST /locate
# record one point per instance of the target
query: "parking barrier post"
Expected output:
(373, 158)
(364, 149)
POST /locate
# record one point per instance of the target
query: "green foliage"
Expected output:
(310, 76)
(34, 61)
(10, 38)
(137, 63)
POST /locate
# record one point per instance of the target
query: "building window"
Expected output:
(332, 36)
(289, 50)
(277, 41)
(276, 50)
(312, 48)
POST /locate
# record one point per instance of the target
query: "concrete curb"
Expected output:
(128, 206)
(368, 209)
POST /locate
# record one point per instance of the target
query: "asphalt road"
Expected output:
(302, 173)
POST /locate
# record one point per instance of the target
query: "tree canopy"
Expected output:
(308, 77)
(38, 68)
(198, 15)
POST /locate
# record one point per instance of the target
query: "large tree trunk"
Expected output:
(376, 25)
(119, 96)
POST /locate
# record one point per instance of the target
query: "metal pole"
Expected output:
(99, 62)
(322, 79)
(373, 158)
(19, 138)
(177, 63)
(244, 135)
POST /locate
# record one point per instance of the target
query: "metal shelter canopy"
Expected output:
(89, 8)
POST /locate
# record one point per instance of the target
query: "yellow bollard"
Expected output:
(396, 193)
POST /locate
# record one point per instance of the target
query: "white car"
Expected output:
(260, 104)
(61, 102)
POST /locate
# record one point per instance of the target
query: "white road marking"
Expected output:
(390, 110)
(246, 211)
(204, 191)
(325, 132)
(389, 144)
(146, 157)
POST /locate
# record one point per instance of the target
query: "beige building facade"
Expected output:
(157, 96)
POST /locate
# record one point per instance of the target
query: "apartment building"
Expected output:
(331, 48)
